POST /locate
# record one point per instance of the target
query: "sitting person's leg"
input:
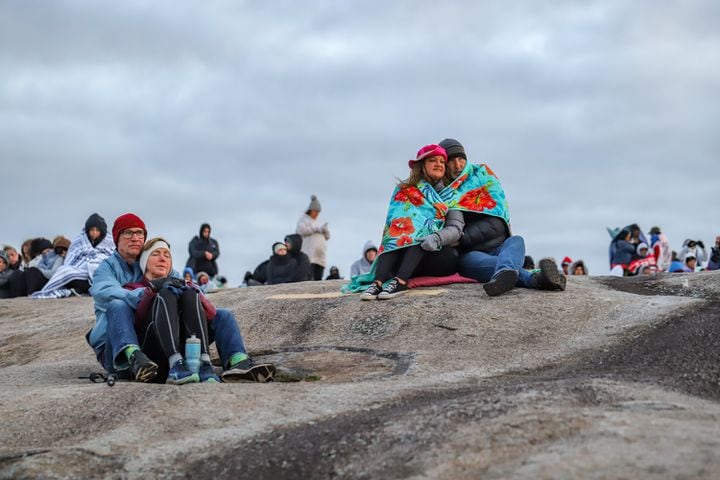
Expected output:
(34, 280)
(411, 257)
(194, 322)
(80, 286)
(238, 365)
(385, 268)
(122, 351)
(166, 326)
(439, 264)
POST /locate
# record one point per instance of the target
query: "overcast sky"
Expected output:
(593, 114)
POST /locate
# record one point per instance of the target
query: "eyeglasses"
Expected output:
(133, 233)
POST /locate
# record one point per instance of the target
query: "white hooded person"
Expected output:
(364, 263)
(315, 234)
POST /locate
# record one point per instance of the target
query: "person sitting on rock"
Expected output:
(714, 262)
(13, 257)
(302, 269)
(85, 254)
(204, 252)
(280, 267)
(114, 339)
(489, 252)
(44, 262)
(695, 248)
(205, 282)
(419, 230)
(5, 273)
(188, 275)
(364, 263)
(334, 274)
(578, 268)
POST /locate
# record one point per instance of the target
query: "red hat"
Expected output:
(566, 261)
(125, 221)
(428, 151)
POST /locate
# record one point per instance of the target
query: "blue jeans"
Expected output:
(483, 266)
(224, 331)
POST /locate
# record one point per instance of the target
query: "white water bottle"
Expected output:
(192, 354)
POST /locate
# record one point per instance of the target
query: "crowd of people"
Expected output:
(447, 221)
(631, 252)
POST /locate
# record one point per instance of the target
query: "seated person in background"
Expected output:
(696, 248)
(578, 268)
(622, 250)
(529, 263)
(13, 257)
(302, 271)
(280, 267)
(565, 264)
(87, 251)
(363, 264)
(169, 312)
(675, 264)
(114, 338)
(334, 274)
(204, 282)
(490, 254)
(5, 274)
(188, 275)
(44, 261)
(690, 263)
(714, 262)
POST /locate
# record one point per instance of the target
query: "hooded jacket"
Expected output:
(697, 251)
(280, 269)
(197, 248)
(361, 265)
(98, 222)
(302, 267)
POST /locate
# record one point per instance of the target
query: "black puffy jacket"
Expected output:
(483, 232)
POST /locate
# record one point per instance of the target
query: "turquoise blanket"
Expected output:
(416, 212)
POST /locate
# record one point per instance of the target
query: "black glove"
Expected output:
(160, 283)
(701, 244)
(174, 282)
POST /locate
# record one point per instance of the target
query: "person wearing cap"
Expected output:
(490, 254)
(113, 337)
(281, 266)
(85, 253)
(565, 265)
(315, 234)
(419, 230)
(660, 247)
(204, 251)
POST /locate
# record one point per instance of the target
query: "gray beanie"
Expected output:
(314, 204)
(453, 148)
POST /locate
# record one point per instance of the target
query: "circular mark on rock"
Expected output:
(334, 364)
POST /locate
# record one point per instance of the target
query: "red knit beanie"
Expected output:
(125, 221)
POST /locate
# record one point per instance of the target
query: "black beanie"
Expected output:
(453, 148)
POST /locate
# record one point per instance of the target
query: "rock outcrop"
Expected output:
(613, 378)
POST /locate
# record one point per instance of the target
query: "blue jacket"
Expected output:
(107, 285)
(623, 252)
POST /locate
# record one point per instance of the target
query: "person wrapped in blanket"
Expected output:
(142, 305)
(489, 252)
(419, 231)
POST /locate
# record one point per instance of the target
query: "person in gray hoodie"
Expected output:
(363, 264)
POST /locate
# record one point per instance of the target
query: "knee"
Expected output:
(117, 305)
(517, 240)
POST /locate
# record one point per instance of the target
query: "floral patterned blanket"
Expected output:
(418, 211)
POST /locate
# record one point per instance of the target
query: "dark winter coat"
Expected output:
(623, 252)
(197, 248)
(280, 269)
(483, 232)
(302, 267)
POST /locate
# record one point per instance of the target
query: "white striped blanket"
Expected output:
(80, 264)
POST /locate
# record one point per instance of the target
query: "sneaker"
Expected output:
(393, 288)
(371, 293)
(179, 374)
(143, 369)
(207, 373)
(503, 281)
(549, 277)
(249, 371)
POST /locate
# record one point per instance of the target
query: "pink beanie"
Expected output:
(428, 151)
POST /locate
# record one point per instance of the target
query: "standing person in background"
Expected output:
(204, 251)
(661, 248)
(363, 264)
(314, 235)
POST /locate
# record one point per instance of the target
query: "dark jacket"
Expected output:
(197, 248)
(623, 252)
(142, 312)
(483, 232)
(280, 269)
(302, 267)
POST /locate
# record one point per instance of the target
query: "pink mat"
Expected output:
(435, 281)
